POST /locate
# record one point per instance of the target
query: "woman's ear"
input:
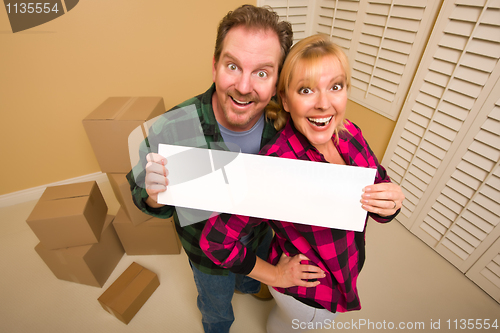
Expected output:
(284, 101)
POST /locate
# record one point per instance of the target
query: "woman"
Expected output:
(312, 93)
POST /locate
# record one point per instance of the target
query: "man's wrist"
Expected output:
(152, 203)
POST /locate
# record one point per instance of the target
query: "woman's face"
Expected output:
(317, 111)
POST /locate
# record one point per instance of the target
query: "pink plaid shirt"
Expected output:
(340, 253)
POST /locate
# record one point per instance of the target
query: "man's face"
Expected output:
(245, 77)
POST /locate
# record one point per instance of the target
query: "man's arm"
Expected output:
(145, 184)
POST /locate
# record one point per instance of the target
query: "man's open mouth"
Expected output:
(242, 103)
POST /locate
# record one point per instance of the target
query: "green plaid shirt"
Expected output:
(182, 128)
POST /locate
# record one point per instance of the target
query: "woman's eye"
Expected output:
(262, 74)
(232, 67)
(305, 91)
(338, 86)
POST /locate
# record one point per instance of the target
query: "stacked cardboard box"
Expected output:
(154, 236)
(126, 296)
(77, 240)
(115, 129)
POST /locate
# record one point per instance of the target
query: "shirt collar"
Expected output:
(301, 146)
(209, 123)
(207, 116)
(298, 142)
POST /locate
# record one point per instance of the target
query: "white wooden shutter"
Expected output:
(385, 53)
(298, 12)
(337, 19)
(455, 76)
(486, 271)
(462, 217)
(384, 40)
(445, 150)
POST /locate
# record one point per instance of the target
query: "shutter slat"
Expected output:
(472, 229)
(466, 237)
(466, 179)
(431, 231)
(453, 110)
(489, 138)
(450, 204)
(448, 122)
(424, 166)
(460, 187)
(408, 146)
(472, 167)
(467, 14)
(479, 62)
(484, 213)
(451, 194)
(436, 225)
(477, 221)
(465, 246)
(455, 249)
(470, 74)
(435, 151)
(441, 219)
(488, 204)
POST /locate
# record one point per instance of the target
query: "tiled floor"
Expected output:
(404, 283)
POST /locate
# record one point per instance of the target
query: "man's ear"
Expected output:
(214, 72)
(284, 101)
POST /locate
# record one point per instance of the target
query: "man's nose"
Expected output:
(244, 84)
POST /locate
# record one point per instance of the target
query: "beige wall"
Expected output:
(376, 129)
(52, 76)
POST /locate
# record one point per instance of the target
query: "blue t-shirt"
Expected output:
(248, 141)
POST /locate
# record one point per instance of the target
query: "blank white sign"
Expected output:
(319, 194)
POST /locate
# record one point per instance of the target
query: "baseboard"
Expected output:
(35, 193)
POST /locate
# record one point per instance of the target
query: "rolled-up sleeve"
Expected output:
(220, 241)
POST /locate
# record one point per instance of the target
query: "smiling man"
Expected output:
(250, 48)
(245, 77)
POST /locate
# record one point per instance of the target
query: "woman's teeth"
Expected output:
(320, 121)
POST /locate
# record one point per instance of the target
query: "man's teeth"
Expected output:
(320, 121)
(240, 102)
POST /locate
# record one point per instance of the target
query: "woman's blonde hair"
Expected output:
(306, 54)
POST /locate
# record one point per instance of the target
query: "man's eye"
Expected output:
(262, 74)
(232, 67)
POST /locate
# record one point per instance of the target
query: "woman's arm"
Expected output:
(289, 272)
(220, 241)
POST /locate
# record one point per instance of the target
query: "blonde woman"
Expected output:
(312, 94)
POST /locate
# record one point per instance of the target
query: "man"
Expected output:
(250, 48)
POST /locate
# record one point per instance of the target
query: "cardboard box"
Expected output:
(88, 264)
(125, 297)
(69, 215)
(121, 188)
(154, 236)
(110, 124)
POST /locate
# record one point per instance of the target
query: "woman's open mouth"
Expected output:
(320, 122)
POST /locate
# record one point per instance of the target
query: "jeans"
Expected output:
(215, 293)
